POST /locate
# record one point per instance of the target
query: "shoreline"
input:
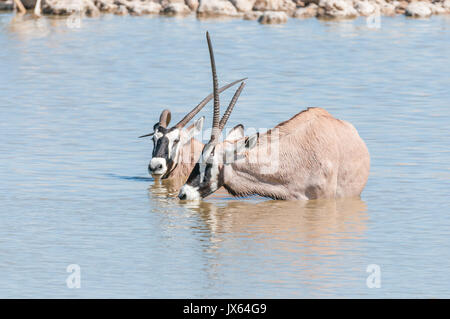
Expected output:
(263, 11)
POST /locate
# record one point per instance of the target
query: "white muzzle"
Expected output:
(157, 166)
(188, 193)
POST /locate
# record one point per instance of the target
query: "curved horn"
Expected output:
(164, 119)
(216, 113)
(233, 101)
(205, 101)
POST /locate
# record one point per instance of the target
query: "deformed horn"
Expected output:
(164, 119)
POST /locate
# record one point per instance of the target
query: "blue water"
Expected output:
(74, 187)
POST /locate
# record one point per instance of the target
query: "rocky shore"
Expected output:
(264, 11)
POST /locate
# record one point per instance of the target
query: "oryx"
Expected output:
(314, 155)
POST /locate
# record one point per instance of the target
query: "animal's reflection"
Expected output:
(309, 239)
(163, 189)
(309, 223)
(29, 26)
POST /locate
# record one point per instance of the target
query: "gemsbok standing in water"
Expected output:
(175, 151)
(312, 155)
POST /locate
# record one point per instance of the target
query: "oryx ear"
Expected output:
(199, 124)
(236, 133)
(195, 129)
(251, 141)
(246, 144)
(234, 150)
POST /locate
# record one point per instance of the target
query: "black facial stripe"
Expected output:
(162, 148)
(194, 177)
(208, 173)
(204, 187)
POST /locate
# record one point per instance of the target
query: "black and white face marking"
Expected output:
(204, 178)
(165, 147)
(167, 144)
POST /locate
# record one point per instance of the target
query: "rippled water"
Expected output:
(74, 187)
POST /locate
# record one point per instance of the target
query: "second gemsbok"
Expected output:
(312, 155)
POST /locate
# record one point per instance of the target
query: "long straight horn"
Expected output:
(233, 101)
(215, 125)
(205, 101)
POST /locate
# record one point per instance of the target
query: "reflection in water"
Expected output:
(29, 26)
(131, 178)
(312, 225)
(308, 235)
(164, 188)
(313, 220)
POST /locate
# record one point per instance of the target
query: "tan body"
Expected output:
(311, 156)
(319, 157)
(188, 155)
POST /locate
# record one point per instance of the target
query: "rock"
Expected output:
(274, 5)
(253, 15)
(177, 8)
(243, 5)
(400, 6)
(418, 9)
(165, 3)
(106, 5)
(366, 8)
(437, 8)
(192, 4)
(216, 8)
(386, 8)
(29, 4)
(307, 12)
(336, 9)
(307, 2)
(6, 5)
(150, 7)
(68, 7)
(133, 7)
(446, 5)
(273, 17)
(121, 10)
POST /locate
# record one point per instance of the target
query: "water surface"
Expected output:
(74, 187)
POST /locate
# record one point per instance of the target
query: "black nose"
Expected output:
(151, 168)
(182, 196)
